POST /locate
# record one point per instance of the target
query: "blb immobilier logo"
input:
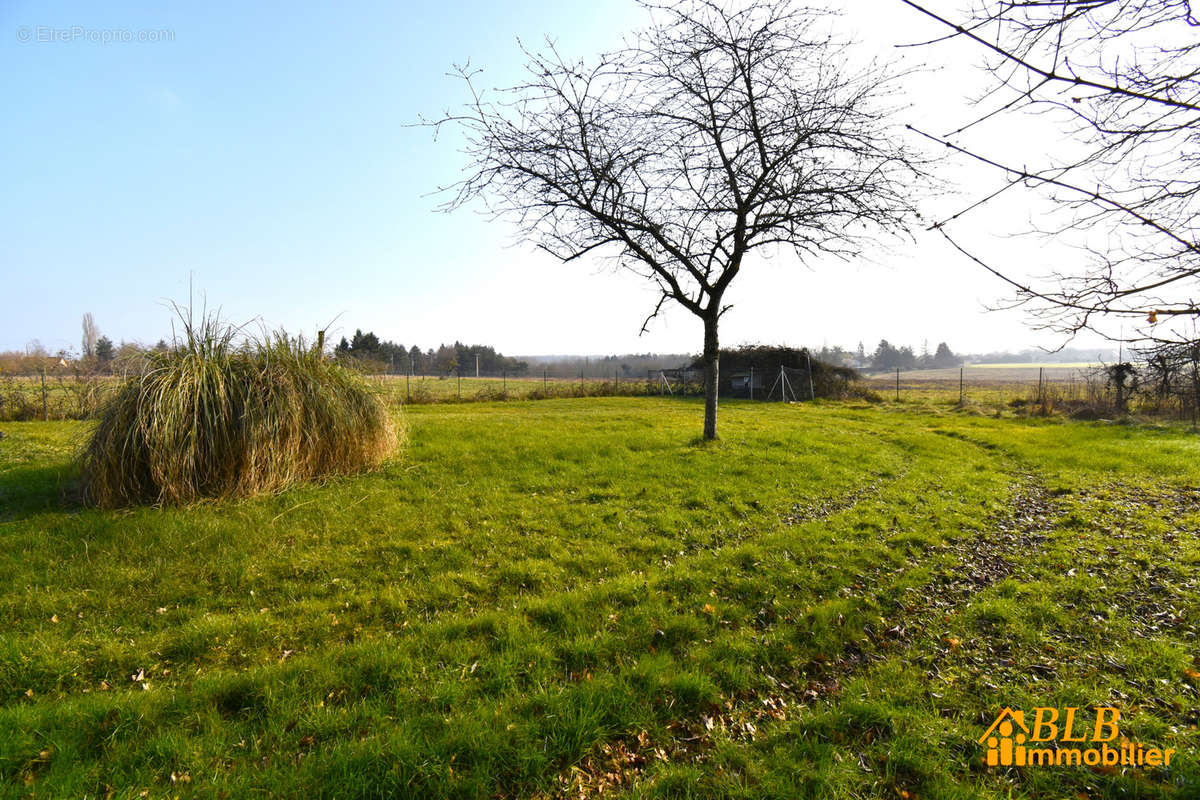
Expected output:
(1063, 737)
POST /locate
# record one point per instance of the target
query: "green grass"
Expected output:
(550, 599)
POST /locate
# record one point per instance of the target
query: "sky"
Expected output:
(265, 158)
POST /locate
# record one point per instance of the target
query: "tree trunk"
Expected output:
(712, 376)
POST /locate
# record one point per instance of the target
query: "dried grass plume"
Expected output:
(215, 418)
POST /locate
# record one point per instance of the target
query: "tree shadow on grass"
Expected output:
(28, 491)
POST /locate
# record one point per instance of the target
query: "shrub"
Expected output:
(821, 378)
(211, 418)
(857, 391)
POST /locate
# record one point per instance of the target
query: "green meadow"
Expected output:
(577, 598)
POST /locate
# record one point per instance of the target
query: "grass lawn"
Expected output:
(576, 598)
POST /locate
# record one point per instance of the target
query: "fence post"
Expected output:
(1195, 392)
(581, 380)
(544, 379)
(1041, 387)
(752, 383)
(960, 386)
(897, 384)
(45, 413)
(408, 384)
(812, 394)
(504, 378)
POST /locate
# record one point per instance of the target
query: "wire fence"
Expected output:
(456, 387)
(776, 383)
(1090, 392)
(1085, 393)
(54, 396)
(61, 396)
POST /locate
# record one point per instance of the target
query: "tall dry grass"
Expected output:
(212, 418)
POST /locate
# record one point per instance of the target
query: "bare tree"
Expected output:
(90, 335)
(1122, 77)
(709, 135)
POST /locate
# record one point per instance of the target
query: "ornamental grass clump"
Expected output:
(215, 418)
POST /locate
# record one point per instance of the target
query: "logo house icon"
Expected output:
(1005, 739)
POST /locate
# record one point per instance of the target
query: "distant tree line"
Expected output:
(1067, 355)
(376, 355)
(626, 366)
(380, 355)
(98, 354)
(888, 356)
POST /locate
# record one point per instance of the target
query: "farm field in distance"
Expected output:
(577, 598)
(984, 384)
(979, 374)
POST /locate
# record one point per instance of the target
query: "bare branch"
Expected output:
(1124, 77)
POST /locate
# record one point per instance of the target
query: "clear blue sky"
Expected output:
(261, 152)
